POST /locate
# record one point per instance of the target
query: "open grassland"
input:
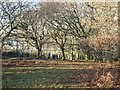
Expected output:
(59, 74)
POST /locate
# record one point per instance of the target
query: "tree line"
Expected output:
(73, 27)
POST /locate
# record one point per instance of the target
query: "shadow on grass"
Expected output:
(67, 76)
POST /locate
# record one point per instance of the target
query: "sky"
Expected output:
(60, 0)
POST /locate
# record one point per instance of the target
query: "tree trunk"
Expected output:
(88, 53)
(72, 54)
(1, 47)
(78, 53)
(39, 53)
(63, 53)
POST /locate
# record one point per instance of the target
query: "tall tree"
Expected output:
(9, 13)
(58, 27)
(33, 29)
(106, 24)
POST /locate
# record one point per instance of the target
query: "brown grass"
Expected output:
(93, 75)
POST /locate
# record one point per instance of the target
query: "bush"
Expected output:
(12, 54)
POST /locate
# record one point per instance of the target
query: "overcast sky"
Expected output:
(60, 0)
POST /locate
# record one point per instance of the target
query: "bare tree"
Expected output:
(58, 28)
(32, 26)
(9, 13)
(69, 18)
(106, 24)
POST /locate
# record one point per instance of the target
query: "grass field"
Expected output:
(59, 74)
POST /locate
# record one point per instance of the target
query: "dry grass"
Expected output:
(70, 74)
